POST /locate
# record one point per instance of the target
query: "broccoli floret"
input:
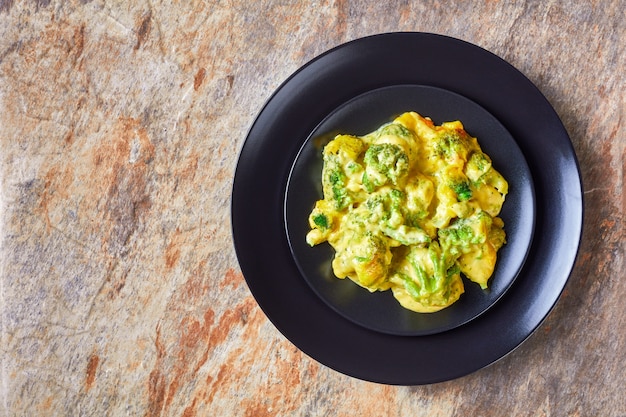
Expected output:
(353, 167)
(376, 204)
(453, 270)
(414, 219)
(462, 190)
(334, 183)
(321, 221)
(452, 144)
(386, 206)
(339, 193)
(428, 284)
(465, 232)
(384, 163)
(480, 161)
(372, 257)
(336, 177)
(396, 197)
(410, 286)
(389, 129)
(367, 184)
(460, 233)
(394, 129)
(407, 235)
(477, 165)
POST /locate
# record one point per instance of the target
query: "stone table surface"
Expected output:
(120, 127)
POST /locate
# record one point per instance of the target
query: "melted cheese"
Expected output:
(410, 207)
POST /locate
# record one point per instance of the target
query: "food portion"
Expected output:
(409, 208)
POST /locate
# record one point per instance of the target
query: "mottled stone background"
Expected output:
(120, 125)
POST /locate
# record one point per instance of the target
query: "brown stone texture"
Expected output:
(120, 125)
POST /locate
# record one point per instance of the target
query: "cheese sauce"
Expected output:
(410, 207)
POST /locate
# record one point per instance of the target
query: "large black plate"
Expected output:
(380, 311)
(280, 130)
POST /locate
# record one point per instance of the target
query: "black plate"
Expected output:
(282, 127)
(380, 311)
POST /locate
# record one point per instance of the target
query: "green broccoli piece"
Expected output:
(452, 144)
(480, 161)
(321, 221)
(384, 163)
(407, 235)
(465, 232)
(384, 205)
(455, 269)
(389, 129)
(334, 183)
(427, 284)
(462, 189)
(411, 287)
(459, 234)
(394, 129)
(477, 165)
(339, 192)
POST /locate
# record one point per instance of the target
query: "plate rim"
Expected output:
(574, 203)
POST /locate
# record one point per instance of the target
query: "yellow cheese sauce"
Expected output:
(409, 208)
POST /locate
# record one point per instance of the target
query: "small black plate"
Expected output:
(278, 133)
(380, 311)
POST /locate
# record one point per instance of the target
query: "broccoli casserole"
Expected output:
(409, 208)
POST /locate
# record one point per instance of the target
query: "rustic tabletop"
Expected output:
(120, 129)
